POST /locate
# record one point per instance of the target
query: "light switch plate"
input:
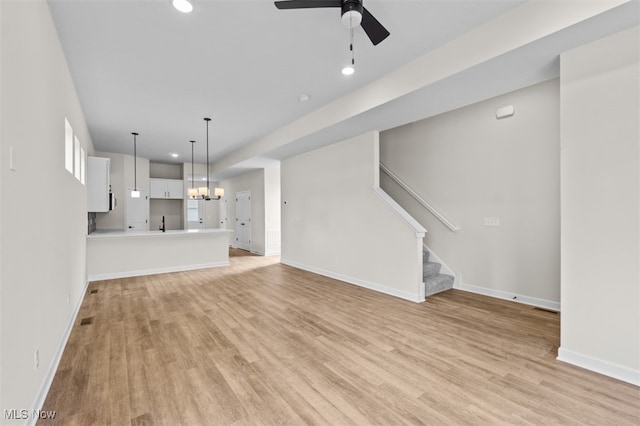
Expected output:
(12, 165)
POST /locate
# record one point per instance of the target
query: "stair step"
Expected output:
(425, 255)
(437, 283)
(430, 268)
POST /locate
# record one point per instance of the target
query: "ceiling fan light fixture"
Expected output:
(352, 15)
(351, 19)
(183, 6)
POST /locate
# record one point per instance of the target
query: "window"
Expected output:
(75, 158)
(76, 162)
(68, 146)
(83, 162)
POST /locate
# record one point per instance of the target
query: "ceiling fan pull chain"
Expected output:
(353, 61)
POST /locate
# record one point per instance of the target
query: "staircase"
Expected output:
(434, 281)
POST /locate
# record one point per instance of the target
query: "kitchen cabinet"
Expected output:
(98, 182)
(172, 189)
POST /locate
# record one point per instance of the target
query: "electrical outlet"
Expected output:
(491, 221)
(36, 356)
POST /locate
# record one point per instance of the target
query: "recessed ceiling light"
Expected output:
(174, 155)
(348, 70)
(183, 6)
(304, 98)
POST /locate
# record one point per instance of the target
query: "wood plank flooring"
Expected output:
(261, 343)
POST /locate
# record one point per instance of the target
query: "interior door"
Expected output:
(195, 214)
(243, 220)
(138, 211)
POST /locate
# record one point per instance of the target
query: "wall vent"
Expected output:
(86, 321)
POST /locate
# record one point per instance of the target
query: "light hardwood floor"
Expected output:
(263, 343)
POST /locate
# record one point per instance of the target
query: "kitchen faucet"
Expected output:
(162, 227)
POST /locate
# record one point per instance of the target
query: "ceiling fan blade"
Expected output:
(307, 4)
(373, 28)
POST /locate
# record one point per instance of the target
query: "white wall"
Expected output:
(43, 247)
(166, 171)
(334, 224)
(469, 166)
(172, 210)
(272, 214)
(600, 93)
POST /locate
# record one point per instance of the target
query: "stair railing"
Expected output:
(419, 199)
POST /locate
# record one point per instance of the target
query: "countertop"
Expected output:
(115, 233)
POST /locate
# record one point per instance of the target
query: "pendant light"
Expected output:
(218, 192)
(204, 191)
(135, 193)
(193, 192)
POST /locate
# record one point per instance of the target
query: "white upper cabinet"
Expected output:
(166, 188)
(98, 181)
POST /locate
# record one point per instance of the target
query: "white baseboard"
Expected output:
(499, 294)
(55, 362)
(413, 297)
(141, 272)
(600, 366)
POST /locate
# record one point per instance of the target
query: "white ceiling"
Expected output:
(143, 66)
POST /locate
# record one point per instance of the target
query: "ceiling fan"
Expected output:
(353, 15)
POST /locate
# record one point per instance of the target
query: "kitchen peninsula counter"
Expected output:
(118, 254)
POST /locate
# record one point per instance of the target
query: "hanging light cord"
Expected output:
(353, 60)
(135, 170)
(192, 144)
(208, 120)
